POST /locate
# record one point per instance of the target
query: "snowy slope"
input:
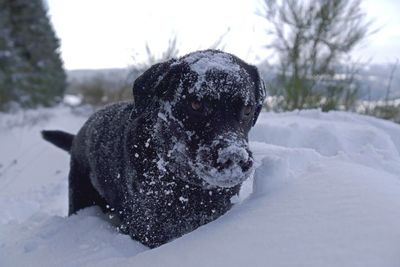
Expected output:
(326, 192)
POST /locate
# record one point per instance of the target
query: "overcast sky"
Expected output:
(110, 34)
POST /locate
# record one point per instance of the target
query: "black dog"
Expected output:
(172, 160)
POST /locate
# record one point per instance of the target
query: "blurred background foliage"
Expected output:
(313, 68)
(31, 70)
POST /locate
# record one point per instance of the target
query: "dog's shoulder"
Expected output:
(107, 121)
(112, 112)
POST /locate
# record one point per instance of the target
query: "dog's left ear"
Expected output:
(145, 87)
(260, 92)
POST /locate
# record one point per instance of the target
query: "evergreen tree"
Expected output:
(31, 71)
(8, 57)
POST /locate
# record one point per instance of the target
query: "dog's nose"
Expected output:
(229, 155)
(245, 165)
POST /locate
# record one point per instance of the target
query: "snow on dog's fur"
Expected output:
(172, 160)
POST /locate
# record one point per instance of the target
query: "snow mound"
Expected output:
(325, 193)
(329, 134)
(56, 241)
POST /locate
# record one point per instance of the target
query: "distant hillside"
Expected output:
(373, 79)
(78, 76)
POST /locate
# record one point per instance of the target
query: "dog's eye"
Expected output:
(247, 110)
(196, 105)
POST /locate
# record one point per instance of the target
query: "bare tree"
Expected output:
(389, 84)
(311, 39)
(152, 58)
(219, 43)
(171, 51)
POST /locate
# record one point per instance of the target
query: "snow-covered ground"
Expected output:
(326, 192)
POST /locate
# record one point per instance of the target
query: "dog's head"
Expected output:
(206, 103)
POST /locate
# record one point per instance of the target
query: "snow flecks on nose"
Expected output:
(226, 169)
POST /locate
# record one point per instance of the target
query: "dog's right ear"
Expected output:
(145, 86)
(260, 91)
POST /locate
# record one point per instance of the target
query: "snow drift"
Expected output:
(326, 192)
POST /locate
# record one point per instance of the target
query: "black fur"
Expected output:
(60, 139)
(162, 167)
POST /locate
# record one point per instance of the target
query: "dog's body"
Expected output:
(173, 160)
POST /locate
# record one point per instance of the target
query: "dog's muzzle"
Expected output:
(225, 163)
